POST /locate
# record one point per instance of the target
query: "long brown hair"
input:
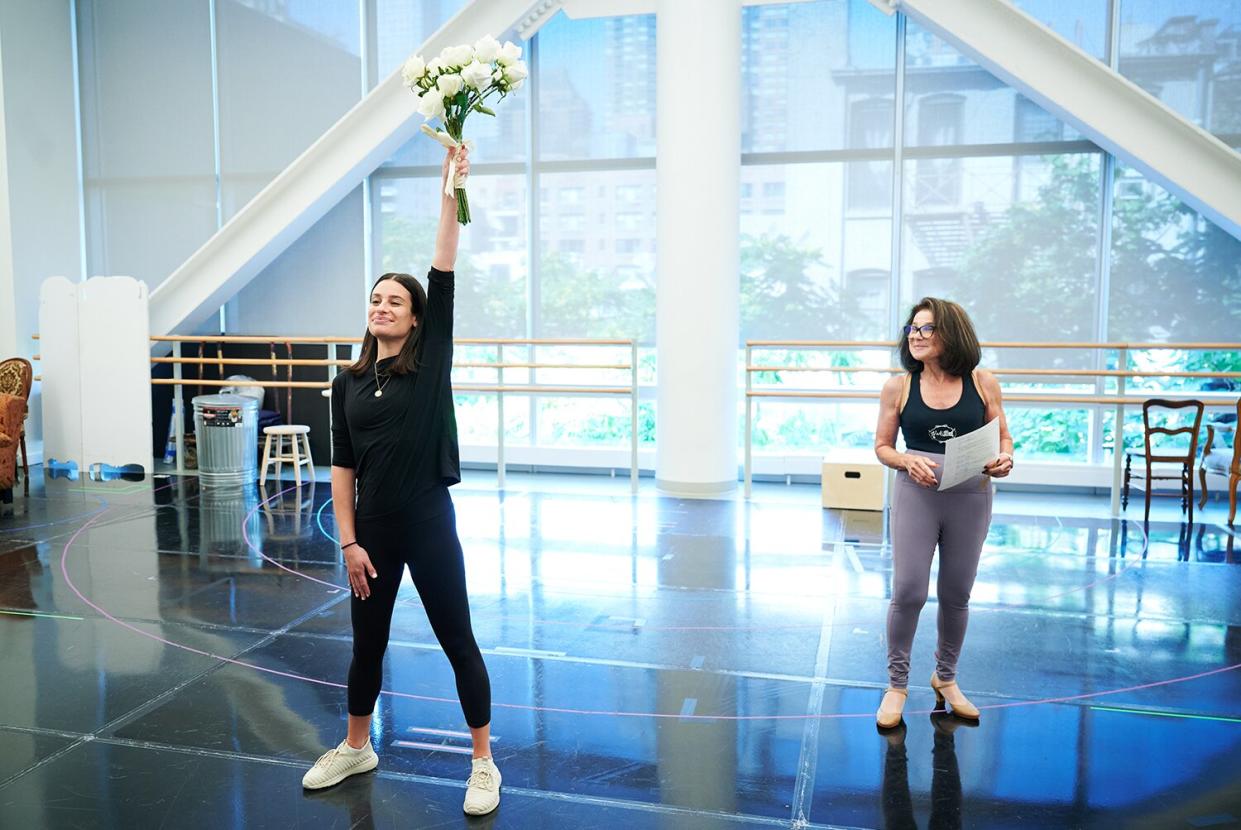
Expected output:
(961, 353)
(408, 359)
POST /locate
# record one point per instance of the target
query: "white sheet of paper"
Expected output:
(966, 455)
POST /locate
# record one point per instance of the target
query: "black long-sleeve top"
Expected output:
(403, 445)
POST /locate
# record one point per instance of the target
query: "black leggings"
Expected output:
(432, 551)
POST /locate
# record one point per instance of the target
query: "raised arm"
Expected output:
(449, 232)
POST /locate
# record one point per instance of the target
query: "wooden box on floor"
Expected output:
(854, 480)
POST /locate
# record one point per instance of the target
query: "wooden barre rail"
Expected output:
(544, 390)
(266, 384)
(456, 387)
(889, 344)
(1008, 398)
(758, 344)
(546, 341)
(331, 362)
(284, 361)
(606, 366)
(248, 338)
(1108, 373)
(277, 338)
(468, 341)
(251, 361)
(1118, 400)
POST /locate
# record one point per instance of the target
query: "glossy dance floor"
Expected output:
(172, 657)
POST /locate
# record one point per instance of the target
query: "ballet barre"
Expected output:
(1118, 398)
(500, 388)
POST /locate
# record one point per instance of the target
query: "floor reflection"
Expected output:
(898, 805)
(656, 662)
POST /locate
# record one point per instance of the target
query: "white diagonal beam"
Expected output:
(1110, 110)
(319, 178)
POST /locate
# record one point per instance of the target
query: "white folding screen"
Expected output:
(95, 345)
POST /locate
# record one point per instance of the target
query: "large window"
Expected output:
(1188, 55)
(854, 201)
(805, 66)
(938, 180)
(597, 255)
(816, 201)
(398, 27)
(1175, 276)
(582, 265)
(595, 251)
(1000, 210)
(1012, 236)
(1082, 22)
(596, 88)
(799, 245)
(306, 56)
(492, 263)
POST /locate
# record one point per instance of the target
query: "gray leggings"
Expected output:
(957, 521)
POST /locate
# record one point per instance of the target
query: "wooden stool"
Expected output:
(296, 504)
(295, 452)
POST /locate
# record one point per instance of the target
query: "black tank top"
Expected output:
(926, 429)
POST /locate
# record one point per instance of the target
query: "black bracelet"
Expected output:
(351, 544)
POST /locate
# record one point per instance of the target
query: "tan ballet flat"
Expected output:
(889, 714)
(951, 692)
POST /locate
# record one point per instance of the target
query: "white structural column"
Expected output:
(8, 297)
(698, 151)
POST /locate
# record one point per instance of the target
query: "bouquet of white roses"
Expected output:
(456, 84)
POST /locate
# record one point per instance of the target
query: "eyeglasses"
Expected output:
(923, 331)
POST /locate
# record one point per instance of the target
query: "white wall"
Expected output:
(317, 287)
(40, 153)
(147, 134)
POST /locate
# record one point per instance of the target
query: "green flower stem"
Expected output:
(454, 125)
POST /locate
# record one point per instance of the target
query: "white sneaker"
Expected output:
(482, 791)
(337, 764)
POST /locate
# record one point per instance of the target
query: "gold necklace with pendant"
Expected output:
(379, 388)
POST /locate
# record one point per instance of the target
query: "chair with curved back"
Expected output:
(16, 376)
(1218, 457)
(1154, 453)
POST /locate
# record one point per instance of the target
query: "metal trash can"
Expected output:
(230, 514)
(227, 430)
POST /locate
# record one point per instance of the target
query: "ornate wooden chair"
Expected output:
(1156, 452)
(16, 376)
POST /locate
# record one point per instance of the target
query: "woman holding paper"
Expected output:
(394, 456)
(942, 395)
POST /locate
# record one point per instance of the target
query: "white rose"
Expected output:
(509, 53)
(456, 55)
(487, 49)
(449, 84)
(431, 104)
(477, 76)
(516, 72)
(435, 67)
(413, 70)
(515, 85)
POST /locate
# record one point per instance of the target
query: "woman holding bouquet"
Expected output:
(394, 456)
